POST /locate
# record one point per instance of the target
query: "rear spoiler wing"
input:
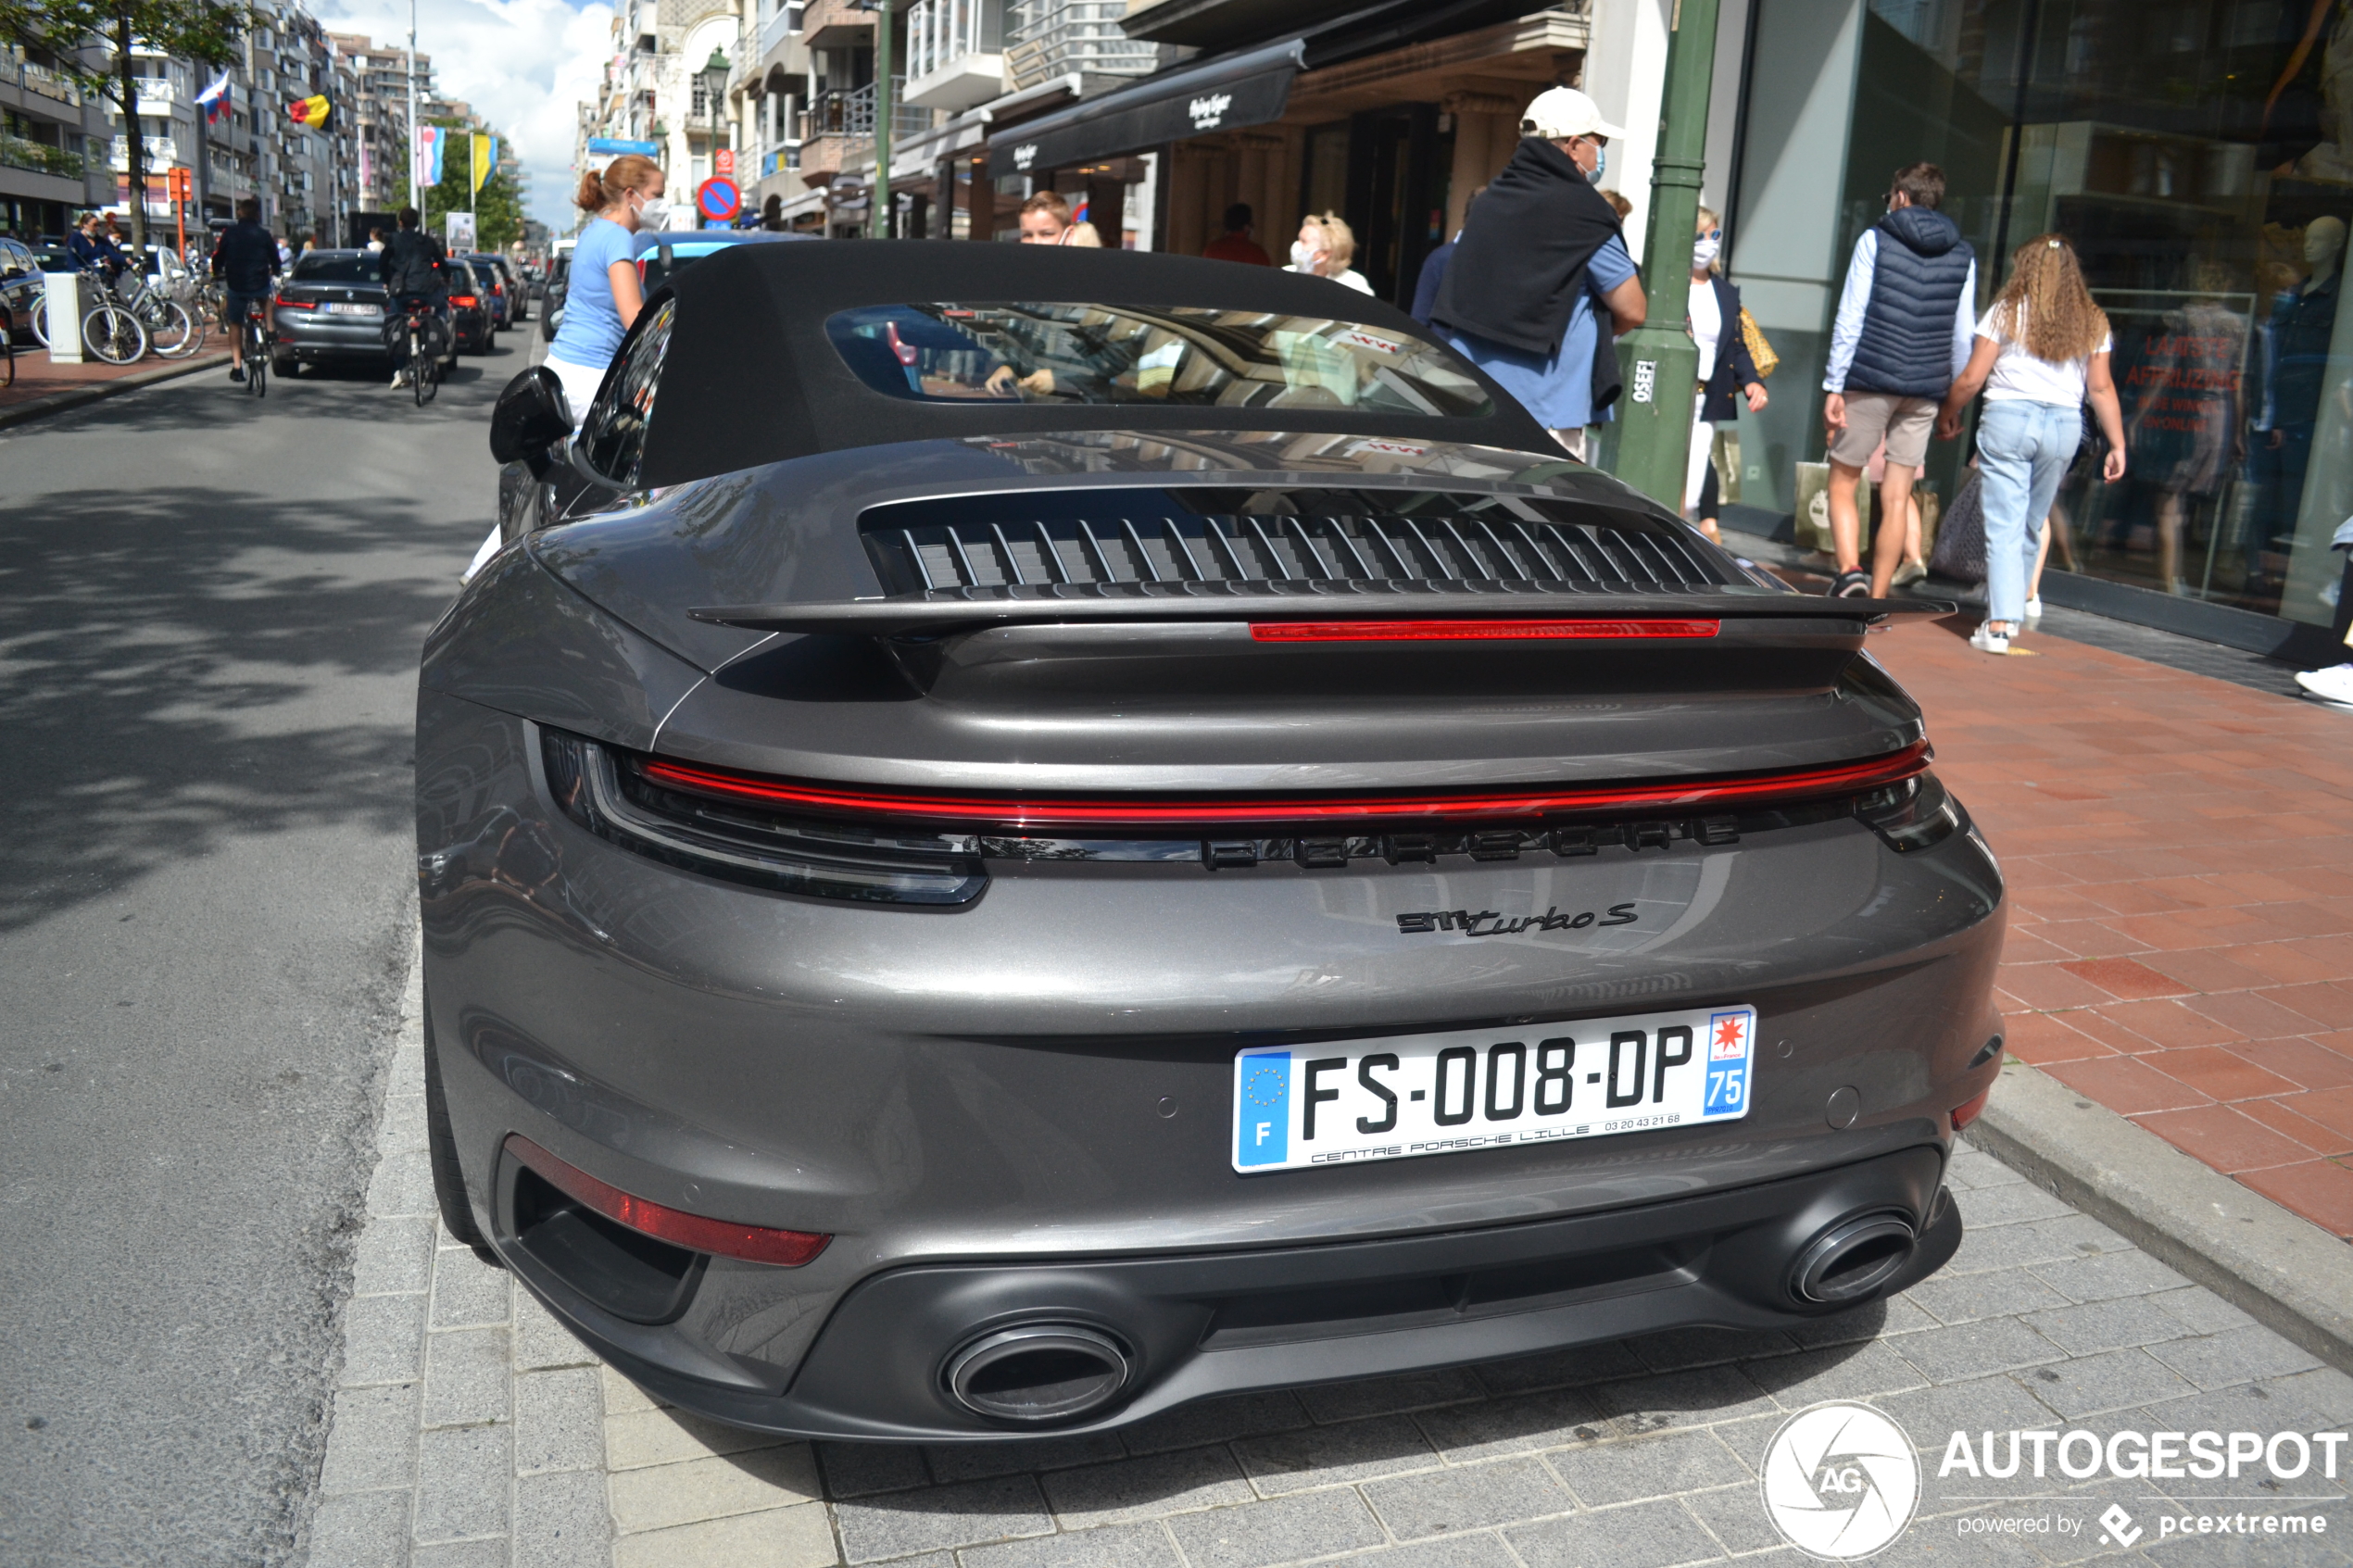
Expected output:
(939, 617)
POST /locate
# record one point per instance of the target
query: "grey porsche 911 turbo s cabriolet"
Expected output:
(1020, 836)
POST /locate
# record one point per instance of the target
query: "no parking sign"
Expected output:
(719, 199)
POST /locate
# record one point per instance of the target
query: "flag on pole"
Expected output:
(431, 140)
(214, 100)
(311, 111)
(486, 158)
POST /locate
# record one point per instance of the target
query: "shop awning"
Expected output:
(1248, 89)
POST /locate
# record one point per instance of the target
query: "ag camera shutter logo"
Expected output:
(1841, 1481)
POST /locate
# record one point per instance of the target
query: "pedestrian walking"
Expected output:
(1902, 333)
(1726, 369)
(2041, 352)
(1540, 255)
(1325, 245)
(1046, 220)
(605, 292)
(1235, 243)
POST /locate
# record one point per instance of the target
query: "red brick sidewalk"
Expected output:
(37, 378)
(2180, 858)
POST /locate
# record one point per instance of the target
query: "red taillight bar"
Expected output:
(786, 1248)
(1526, 802)
(284, 304)
(1468, 630)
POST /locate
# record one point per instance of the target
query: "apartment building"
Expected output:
(655, 97)
(378, 114)
(53, 143)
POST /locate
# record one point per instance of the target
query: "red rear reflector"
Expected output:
(786, 1248)
(1969, 1110)
(1467, 630)
(1528, 800)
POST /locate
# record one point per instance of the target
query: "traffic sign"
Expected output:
(719, 198)
(723, 162)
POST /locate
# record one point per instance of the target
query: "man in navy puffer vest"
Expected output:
(1902, 334)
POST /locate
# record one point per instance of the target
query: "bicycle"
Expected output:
(257, 350)
(108, 330)
(420, 365)
(173, 330)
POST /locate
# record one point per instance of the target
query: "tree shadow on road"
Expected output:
(177, 666)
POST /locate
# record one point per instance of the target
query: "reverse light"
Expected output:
(1972, 1108)
(758, 1244)
(1468, 630)
(1875, 773)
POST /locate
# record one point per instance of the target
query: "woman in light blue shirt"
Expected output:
(604, 294)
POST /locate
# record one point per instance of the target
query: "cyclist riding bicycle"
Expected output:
(410, 267)
(245, 260)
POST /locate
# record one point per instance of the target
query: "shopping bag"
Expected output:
(1959, 555)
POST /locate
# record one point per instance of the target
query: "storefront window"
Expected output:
(2201, 161)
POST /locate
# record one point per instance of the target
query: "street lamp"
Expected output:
(715, 91)
(1658, 360)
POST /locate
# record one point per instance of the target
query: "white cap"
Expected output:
(1559, 113)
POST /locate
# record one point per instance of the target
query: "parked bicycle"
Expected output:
(110, 330)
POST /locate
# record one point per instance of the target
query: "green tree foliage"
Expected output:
(204, 30)
(497, 206)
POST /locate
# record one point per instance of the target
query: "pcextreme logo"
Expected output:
(1841, 1481)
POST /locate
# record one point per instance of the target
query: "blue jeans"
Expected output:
(2022, 453)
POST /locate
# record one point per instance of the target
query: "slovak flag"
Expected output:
(431, 143)
(214, 100)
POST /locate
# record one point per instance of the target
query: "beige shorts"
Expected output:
(1907, 422)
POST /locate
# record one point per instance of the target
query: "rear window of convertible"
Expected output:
(1183, 355)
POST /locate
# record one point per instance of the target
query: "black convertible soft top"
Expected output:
(751, 378)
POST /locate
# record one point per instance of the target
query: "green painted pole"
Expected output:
(1658, 360)
(878, 200)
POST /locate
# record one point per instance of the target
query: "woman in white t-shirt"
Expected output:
(2042, 353)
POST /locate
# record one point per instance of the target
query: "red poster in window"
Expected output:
(723, 162)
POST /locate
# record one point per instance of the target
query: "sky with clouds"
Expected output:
(523, 63)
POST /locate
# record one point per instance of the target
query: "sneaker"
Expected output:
(399, 379)
(1851, 585)
(1985, 640)
(236, 372)
(2333, 684)
(2034, 608)
(1910, 572)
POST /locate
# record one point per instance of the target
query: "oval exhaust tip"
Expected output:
(1037, 1373)
(1853, 1259)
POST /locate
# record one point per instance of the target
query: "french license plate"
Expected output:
(341, 308)
(1354, 1101)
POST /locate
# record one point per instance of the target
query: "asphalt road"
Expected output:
(210, 612)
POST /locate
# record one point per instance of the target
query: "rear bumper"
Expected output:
(307, 336)
(1201, 1326)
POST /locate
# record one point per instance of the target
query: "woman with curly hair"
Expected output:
(2042, 351)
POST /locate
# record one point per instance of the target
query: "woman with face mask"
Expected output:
(606, 293)
(1325, 245)
(1726, 369)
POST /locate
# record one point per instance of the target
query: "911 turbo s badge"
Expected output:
(1471, 924)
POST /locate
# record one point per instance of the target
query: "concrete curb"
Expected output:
(58, 402)
(2277, 1267)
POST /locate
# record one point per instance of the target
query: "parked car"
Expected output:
(661, 253)
(22, 286)
(1025, 836)
(551, 308)
(500, 300)
(471, 303)
(328, 309)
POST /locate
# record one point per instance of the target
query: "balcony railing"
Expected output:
(1047, 38)
(849, 111)
(18, 152)
(163, 153)
(939, 31)
(37, 78)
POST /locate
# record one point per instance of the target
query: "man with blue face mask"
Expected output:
(1540, 255)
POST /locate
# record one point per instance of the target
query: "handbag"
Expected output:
(1959, 556)
(1753, 338)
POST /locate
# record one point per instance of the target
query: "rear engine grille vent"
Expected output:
(1271, 552)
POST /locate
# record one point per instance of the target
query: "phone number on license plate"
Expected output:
(1354, 1101)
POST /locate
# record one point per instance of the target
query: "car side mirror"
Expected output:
(532, 416)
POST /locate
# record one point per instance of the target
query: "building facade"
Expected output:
(54, 140)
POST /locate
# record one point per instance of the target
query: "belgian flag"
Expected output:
(312, 111)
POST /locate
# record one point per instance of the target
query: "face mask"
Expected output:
(1601, 166)
(651, 214)
(1704, 251)
(1302, 256)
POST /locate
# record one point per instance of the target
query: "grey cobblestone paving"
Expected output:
(469, 1429)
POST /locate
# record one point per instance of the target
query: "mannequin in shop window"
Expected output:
(2303, 320)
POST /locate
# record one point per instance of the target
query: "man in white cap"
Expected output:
(1539, 250)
